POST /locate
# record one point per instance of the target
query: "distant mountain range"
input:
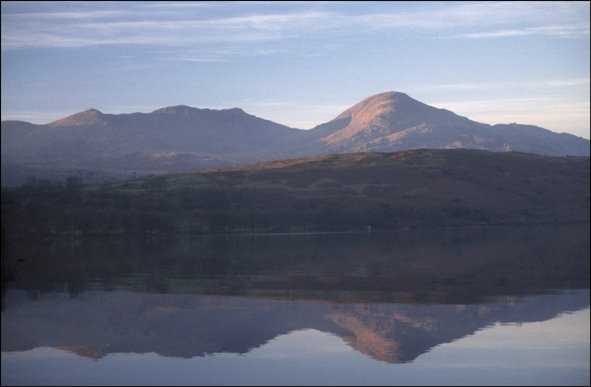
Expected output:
(98, 146)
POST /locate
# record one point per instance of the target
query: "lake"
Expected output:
(502, 305)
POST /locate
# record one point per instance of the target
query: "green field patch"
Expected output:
(190, 180)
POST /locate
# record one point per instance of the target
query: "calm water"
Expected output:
(496, 306)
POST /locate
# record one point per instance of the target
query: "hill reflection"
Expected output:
(440, 265)
(389, 296)
(99, 323)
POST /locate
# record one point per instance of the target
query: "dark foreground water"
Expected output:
(473, 306)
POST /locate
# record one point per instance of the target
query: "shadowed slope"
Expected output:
(416, 188)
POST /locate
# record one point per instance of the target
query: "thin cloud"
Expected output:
(76, 40)
(200, 60)
(470, 15)
(71, 15)
(185, 24)
(556, 31)
(186, 4)
(244, 29)
(564, 82)
(547, 83)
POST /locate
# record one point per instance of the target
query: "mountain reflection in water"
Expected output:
(390, 296)
(98, 323)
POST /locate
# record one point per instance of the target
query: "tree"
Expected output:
(157, 183)
(73, 184)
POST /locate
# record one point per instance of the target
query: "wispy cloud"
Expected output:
(537, 17)
(555, 31)
(545, 84)
(70, 15)
(199, 60)
(195, 23)
(219, 53)
(73, 33)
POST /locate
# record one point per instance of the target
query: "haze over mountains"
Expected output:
(100, 146)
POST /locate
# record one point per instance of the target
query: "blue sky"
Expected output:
(298, 63)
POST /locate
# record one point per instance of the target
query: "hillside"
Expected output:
(418, 188)
(100, 147)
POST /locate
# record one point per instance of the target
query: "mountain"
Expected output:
(92, 137)
(176, 138)
(178, 129)
(394, 121)
(99, 146)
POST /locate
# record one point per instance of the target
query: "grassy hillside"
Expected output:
(418, 188)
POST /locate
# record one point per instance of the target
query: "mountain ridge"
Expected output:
(84, 118)
(195, 138)
(394, 121)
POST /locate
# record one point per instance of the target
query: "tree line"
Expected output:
(42, 207)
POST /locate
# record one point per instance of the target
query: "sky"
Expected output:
(298, 63)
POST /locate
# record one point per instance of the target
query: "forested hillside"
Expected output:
(361, 191)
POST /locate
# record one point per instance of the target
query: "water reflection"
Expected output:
(389, 296)
(440, 266)
(99, 323)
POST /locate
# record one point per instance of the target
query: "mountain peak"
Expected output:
(186, 111)
(84, 118)
(183, 110)
(378, 105)
(392, 120)
(389, 95)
